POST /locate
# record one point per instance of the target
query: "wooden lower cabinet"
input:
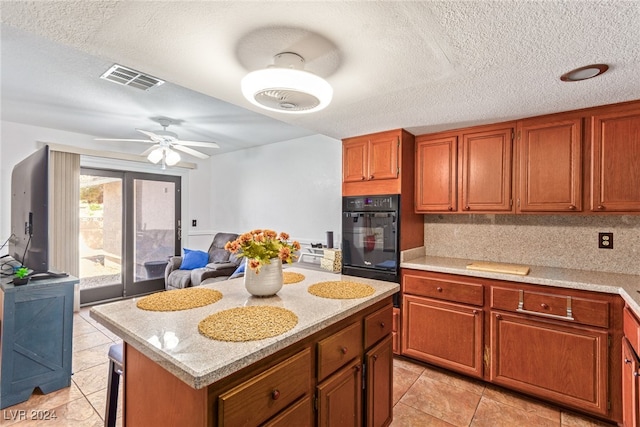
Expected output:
(340, 397)
(442, 333)
(630, 370)
(630, 386)
(567, 364)
(379, 384)
(553, 343)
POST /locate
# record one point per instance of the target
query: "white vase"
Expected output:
(267, 282)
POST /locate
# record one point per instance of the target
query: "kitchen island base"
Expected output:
(286, 386)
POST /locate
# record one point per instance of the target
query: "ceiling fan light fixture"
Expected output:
(286, 87)
(172, 157)
(156, 155)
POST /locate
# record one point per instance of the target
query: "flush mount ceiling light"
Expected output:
(584, 73)
(286, 87)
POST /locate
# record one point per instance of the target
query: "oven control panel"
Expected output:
(370, 203)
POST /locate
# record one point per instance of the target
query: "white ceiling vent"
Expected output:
(128, 77)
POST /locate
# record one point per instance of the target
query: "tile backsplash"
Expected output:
(550, 240)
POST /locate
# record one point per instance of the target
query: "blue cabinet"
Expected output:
(36, 330)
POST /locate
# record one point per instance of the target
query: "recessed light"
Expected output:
(584, 73)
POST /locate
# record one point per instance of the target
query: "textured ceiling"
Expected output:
(422, 66)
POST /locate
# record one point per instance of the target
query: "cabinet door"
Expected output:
(567, 364)
(630, 385)
(379, 384)
(340, 398)
(615, 162)
(486, 171)
(396, 330)
(354, 160)
(445, 334)
(436, 175)
(383, 157)
(550, 178)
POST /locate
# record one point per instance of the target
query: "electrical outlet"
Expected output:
(605, 240)
(194, 222)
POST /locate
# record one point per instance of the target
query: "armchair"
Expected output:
(222, 264)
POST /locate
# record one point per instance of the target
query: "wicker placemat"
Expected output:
(247, 323)
(291, 277)
(341, 289)
(179, 299)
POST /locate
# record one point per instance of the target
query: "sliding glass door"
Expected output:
(129, 227)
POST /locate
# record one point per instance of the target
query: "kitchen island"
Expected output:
(176, 376)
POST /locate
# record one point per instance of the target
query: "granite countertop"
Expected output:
(172, 340)
(626, 285)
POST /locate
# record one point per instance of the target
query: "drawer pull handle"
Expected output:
(601, 207)
(466, 208)
(357, 368)
(275, 394)
(382, 325)
(627, 361)
(572, 207)
(363, 178)
(475, 312)
(521, 309)
(450, 208)
(344, 350)
(636, 374)
(499, 317)
(545, 306)
(375, 357)
(370, 176)
(439, 289)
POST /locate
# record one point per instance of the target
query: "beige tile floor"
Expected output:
(423, 396)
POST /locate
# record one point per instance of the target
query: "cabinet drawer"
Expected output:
(338, 349)
(557, 307)
(299, 414)
(258, 399)
(631, 329)
(449, 290)
(377, 326)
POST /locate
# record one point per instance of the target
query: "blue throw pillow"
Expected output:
(239, 271)
(194, 259)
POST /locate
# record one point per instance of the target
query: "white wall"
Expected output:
(17, 141)
(293, 186)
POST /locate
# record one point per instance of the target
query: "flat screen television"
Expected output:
(29, 242)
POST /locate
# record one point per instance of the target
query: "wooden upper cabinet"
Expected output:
(379, 163)
(615, 161)
(550, 165)
(436, 174)
(370, 157)
(383, 157)
(354, 160)
(486, 170)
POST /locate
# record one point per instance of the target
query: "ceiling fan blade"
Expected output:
(121, 139)
(153, 136)
(191, 151)
(196, 143)
(146, 152)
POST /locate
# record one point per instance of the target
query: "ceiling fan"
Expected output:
(165, 144)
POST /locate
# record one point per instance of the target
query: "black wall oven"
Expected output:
(370, 230)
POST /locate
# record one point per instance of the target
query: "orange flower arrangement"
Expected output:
(260, 246)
